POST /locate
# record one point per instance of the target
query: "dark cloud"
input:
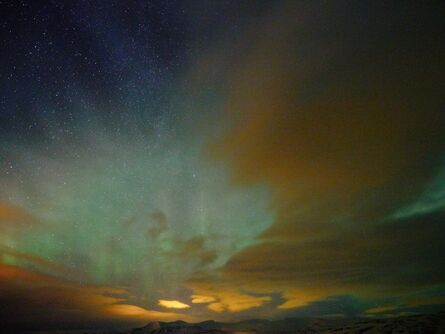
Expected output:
(340, 127)
(341, 116)
(195, 250)
(336, 306)
(158, 224)
(389, 258)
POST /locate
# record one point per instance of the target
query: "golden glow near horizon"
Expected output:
(127, 310)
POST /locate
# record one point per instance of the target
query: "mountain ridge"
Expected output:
(433, 323)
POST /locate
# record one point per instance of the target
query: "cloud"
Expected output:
(236, 302)
(382, 309)
(221, 295)
(334, 306)
(159, 224)
(172, 304)
(326, 143)
(195, 250)
(133, 311)
(390, 258)
(198, 299)
(342, 120)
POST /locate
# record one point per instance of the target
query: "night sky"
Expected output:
(227, 160)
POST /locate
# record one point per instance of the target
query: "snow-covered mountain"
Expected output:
(407, 324)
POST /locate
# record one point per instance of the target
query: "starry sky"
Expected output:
(164, 160)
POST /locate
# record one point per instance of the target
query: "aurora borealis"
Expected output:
(164, 160)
